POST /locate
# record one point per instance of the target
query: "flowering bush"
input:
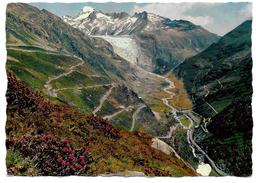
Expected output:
(102, 125)
(52, 156)
(32, 121)
(155, 172)
(20, 98)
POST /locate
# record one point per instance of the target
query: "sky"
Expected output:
(219, 18)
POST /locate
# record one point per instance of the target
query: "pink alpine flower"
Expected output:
(78, 166)
(65, 163)
(66, 141)
(71, 158)
(65, 149)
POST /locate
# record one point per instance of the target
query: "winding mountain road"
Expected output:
(49, 52)
(103, 98)
(116, 113)
(221, 85)
(216, 112)
(49, 87)
(80, 87)
(190, 135)
(165, 100)
(189, 115)
(135, 115)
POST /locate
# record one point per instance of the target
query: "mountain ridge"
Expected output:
(162, 43)
(91, 14)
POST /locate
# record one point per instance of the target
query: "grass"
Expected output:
(108, 108)
(15, 37)
(181, 99)
(30, 77)
(84, 99)
(123, 120)
(35, 68)
(74, 79)
(39, 66)
(221, 103)
(38, 61)
(29, 47)
(17, 164)
(185, 121)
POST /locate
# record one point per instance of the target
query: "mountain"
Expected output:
(71, 67)
(161, 43)
(74, 105)
(218, 81)
(81, 104)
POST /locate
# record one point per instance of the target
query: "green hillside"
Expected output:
(218, 81)
(44, 138)
(68, 66)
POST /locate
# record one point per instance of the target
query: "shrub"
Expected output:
(52, 156)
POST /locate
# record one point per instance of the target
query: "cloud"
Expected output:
(170, 10)
(174, 11)
(218, 18)
(199, 20)
(247, 11)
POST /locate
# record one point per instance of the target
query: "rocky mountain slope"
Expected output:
(45, 138)
(218, 81)
(161, 43)
(72, 68)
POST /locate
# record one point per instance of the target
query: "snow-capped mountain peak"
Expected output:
(84, 13)
(94, 22)
(87, 9)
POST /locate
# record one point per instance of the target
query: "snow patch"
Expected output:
(204, 169)
(82, 16)
(154, 18)
(87, 9)
(101, 15)
(133, 19)
(124, 46)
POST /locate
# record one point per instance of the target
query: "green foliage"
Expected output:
(107, 109)
(17, 165)
(185, 121)
(122, 121)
